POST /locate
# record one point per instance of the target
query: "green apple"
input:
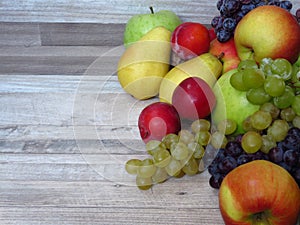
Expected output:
(138, 25)
(231, 103)
(268, 32)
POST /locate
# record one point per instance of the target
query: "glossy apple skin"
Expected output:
(193, 99)
(226, 52)
(138, 25)
(157, 120)
(259, 186)
(190, 39)
(268, 31)
(212, 34)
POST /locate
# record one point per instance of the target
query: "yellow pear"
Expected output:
(144, 63)
(206, 66)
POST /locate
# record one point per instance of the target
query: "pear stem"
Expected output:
(151, 10)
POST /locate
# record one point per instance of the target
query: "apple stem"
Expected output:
(261, 219)
(151, 10)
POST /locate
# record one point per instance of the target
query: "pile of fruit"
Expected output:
(234, 91)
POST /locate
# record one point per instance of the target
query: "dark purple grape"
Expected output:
(224, 11)
(286, 5)
(260, 4)
(244, 158)
(274, 2)
(276, 154)
(296, 175)
(247, 8)
(213, 168)
(245, 2)
(220, 156)
(233, 149)
(238, 138)
(295, 131)
(290, 157)
(223, 35)
(219, 4)
(215, 21)
(232, 6)
(216, 180)
(255, 2)
(259, 155)
(298, 14)
(227, 164)
(285, 166)
(229, 24)
(290, 142)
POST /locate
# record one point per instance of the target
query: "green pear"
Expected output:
(143, 65)
(231, 103)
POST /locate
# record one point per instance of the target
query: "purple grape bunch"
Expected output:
(232, 11)
(286, 154)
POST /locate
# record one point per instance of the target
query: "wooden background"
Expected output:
(66, 126)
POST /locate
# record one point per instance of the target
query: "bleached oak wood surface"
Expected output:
(67, 127)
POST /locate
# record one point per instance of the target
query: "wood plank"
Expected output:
(102, 11)
(95, 215)
(19, 34)
(63, 60)
(173, 194)
(82, 34)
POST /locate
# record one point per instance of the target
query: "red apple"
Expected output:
(193, 98)
(268, 32)
(212, 34)
(157, 120)
(190, 39)
(226, 52)
(259, 192)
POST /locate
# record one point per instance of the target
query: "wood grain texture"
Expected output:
(66, 130)
(112, 11)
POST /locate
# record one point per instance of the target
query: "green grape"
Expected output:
(247, 64)
(236, 81)
(268, 142)
(132, 166)
(179, 150)
(251, 142)
(202, 137)
(146, 169)
(296, 121)
(200, 125)
(169, 139)
(161, 158)
(154, 145)
(253, 78)
(160, 176)
(296, 105)
(260, 120)
(197, 149)
(286, 99)
(185, 136)
(143, 183)
(174, 167)
(227, 126)
(247, 125)
(283, 68)
(179, 174)
(265, 65)
(258, 96)
(295, 80)
(191, 167)
(218, 140)
(278, 130)
(271, 108)
(274, 85)
(287, 114)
